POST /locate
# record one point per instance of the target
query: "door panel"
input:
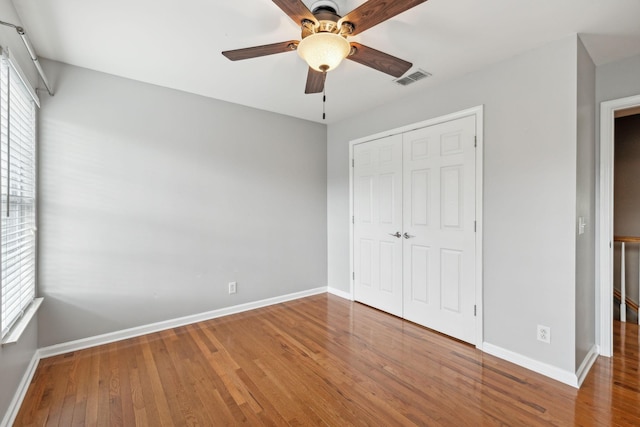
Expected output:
(450, 197)
(365, 196)
(439, 273)
(387, 266)
(378, 214)
(365, 262)
(451, 262)
(420, 273)
(420, 197)
(388, 197)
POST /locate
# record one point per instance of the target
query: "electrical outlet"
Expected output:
(544, 334)
(232, 287)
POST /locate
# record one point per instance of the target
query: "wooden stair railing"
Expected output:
(630, 303)
(622, 293)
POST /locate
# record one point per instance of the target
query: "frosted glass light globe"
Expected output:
(324, 51)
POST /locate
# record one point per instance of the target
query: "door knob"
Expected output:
(407, 235)
(396, 234)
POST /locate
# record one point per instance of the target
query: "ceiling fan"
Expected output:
(324, 38)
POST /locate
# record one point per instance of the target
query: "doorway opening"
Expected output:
(609, 110)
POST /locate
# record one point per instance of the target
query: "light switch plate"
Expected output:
(581, 225)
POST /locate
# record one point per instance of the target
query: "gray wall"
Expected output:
(15, 358)
(585, 205)
(627, 201)
(152, 200)
(529, 192)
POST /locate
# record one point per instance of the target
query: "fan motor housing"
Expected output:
(328, 21)
(325, 3)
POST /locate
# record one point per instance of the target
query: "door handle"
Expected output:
(407, 235)
(396, 234)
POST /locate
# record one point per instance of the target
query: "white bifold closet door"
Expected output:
(420, 184)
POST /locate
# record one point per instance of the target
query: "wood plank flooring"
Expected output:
(319, 361)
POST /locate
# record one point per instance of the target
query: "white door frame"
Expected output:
(604, 295)
(478, 112)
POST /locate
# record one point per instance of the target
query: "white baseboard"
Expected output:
(84, 343)
(545, 369)
(18, 397)
(587, 363)
(339, 293)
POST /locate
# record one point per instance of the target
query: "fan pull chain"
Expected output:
(324, 94)
(324, 103)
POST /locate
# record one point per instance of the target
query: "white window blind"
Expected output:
(18, 193)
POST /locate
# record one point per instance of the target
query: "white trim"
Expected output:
(587, 363)
(566, 377)
(426, 123)
(19, 327)
(604, 293)
(111, 337)
(352, 265)
(21, 392)
(478, 112)
(340, 293)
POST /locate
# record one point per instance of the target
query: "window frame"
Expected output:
(14, 82)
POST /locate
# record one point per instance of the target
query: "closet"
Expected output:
(414, 225)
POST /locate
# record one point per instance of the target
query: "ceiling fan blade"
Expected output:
(256, 51)
(380, 61)
(315, 81)
(374, 12)
(296, 10)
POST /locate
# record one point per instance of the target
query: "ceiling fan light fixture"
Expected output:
(324, 51)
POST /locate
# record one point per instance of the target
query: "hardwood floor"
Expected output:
(320, 360)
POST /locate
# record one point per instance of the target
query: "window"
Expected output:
(18, 193)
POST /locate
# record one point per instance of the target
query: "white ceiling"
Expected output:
(177, 44)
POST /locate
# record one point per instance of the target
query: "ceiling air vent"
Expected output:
(412, 78)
